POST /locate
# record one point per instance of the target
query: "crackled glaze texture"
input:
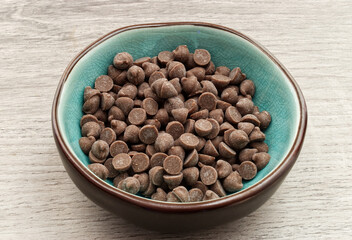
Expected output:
(274, 93)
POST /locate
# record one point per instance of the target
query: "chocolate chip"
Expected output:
(167, 90)
(88, 118)
(112, 171)
(261, 159)
(245, 106)
(121, 162)
(201, 144)
(230, 95)
(123, 60)
(181, 193)
(264, 118)
(208, 86)
(125, 104)
(142, 60)
(137, 116)
(214, 130)
(150, 150)
(108, 135)
(176, 70)
(118, 76)
(247, 170)
(217, 140)
(162, 116)
(159, 195)
(233, 182)
(180, 114)
(86, 143)
(207, 100)
(177, 151)
(198, 72)
(222, 70)
(165, 56)
(189, 126)
(208, 175)
(138, 147)
(150, 68)
(173, 103)
(202, 114)
(116, 113)
(130, 185)
(156, 175)
(91, 129)
(181, 53)
(220, 81)
(247, 87)
(118, 126)
(94, 159)
(89, 92)
(150, 190)
(91, 105)
(256, 135)
(190, 175)
(246, 154)
(140, 162)
(201, 57)
(118, 147)
(173, 165)
(106, 102)
(188, 141)
(251, 119)
(173, 181)
(192, 105)
(149, 93)
(235, 167)
(163, 142)
(238, 139)
(206, 159)
(218, 115)
(170, 197)
(246, 127)
(157, 159)
(195, 195)
(218, 189)
(210, 195)
(98, 159)
(135, 75)
(148, 134)
(190, 85)
(260, 146)
(209, 149)
(128, 90)
(100, 170)
(236, 76)
(155, 76)
(232, 115)
(192, 159)
(104, 83)
(223, 168)
(143, 179)
(222, 105)
(203, 127)
(225, 151)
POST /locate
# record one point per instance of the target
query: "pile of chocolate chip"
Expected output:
(173, 127)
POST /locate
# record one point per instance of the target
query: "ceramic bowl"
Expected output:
(276, 92)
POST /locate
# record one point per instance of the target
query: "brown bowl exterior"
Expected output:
(169, 216)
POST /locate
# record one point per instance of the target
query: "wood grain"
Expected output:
(313, 39)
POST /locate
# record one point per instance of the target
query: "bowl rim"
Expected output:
(232, 199)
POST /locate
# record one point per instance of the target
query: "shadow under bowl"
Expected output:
(276, 92)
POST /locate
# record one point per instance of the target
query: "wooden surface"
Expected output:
(38, 39)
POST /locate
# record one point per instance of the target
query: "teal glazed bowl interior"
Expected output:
(276, 92)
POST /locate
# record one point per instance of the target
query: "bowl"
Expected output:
(276, 91)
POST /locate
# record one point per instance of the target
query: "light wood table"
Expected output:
(313, 39)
